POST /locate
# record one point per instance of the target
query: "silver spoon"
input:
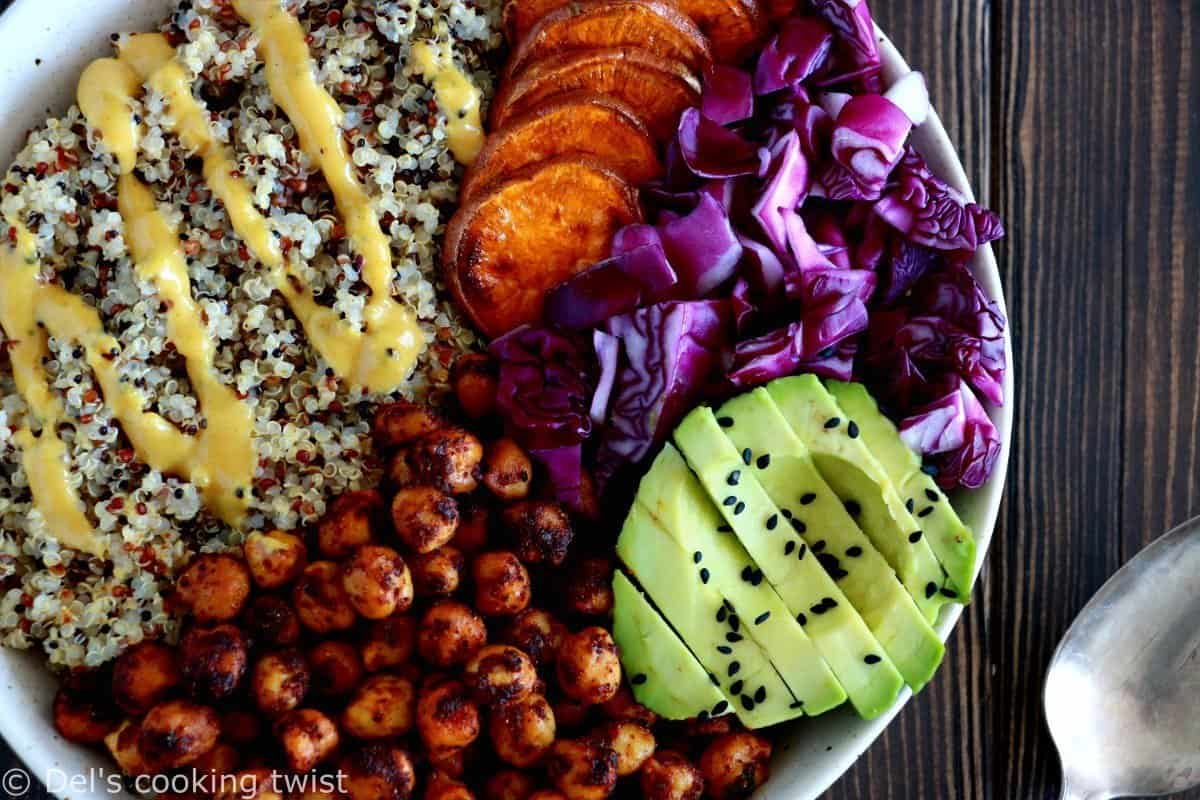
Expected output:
(1122, 695)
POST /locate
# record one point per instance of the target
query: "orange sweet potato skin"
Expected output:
(506, 248)
(579, 124)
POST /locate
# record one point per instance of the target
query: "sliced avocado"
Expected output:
(666, 677)
(753, 688)
(835, 442)
(786, 471)
(950, 539)
(858, 660)
(673, 496)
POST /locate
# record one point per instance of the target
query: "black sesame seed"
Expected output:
(747, 573)
(724, 529)
(739, 508)
(787, 513)
(735, 623)
(948, 592)
(734, 477)
(763, 617)
(800, 553)
(725, 422)
(724, 649)
(854, 552)
(736, 687)
(722, 614)
(638, 680)
(734, 668)
(909, 505)
(798, 526)
(757, 579)
(838, 574)
(697, 557)
(747, 703)
(871, 659)
(733, 638)
(763, 461)
(720, 708)
(728, 606)
(179, 494)
(930, 589)
(852, 429)
(761, 695)
(915, 536)
(747, 456)
(926, 511)
(807, 498)
(704, 575)
(802, 619)
(832, 422)
(853, 508)
(728, 501)
(772, 522)
(818, 546)
(702, 716)
(931, 495)
(789, 548)
(829, 562)
(818, 609)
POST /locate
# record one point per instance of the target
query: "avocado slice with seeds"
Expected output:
(675, 498)
(950, 539)
(786, 471)
(665, 571)
(856, 657)
(837, 448)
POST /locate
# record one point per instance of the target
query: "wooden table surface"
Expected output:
(1079, 122)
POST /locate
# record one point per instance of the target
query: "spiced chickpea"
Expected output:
(424, 518)
(447, 460)
(320, 599)
(507, 470)
(450, 761)
(588, 587)
(271, 621)
(214, 587)
(587, 502)
(502, 585)
(307, 737)
(588, 667)
(499, 673)
(402, 422)
(509, 784)
(474, 523)
(378, 771)
(443, 787)
(143, 676)
(390, 642)
(349, 523)
(213, 661)
(122, 744)
(447, 716)
(698, 728)
(439, 572)
(541, 531)
(249, 784)
(450, 633)
(571, 713)
(275, 558)
(667, 775)
(536, 633)
(381, 708)
(623, 706)
(475, 380)
(523, 730)
(633, 744)
(582, 769)
(177, 732)
(280, 681)
(82, 718)
(734, 765)
(336, 667)
(377, 581)
(241, 727)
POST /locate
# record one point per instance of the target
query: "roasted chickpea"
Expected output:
(377, 581)
(444, 787)
(588, 667)
(571, 713)
(321, 601)
(82, 718)
(270, 621)
(509, 784)
(308, 737)
(241, 727)
(437, 573)
(425, 518)
(214, 587)
(280, 681)
(588, 587)
(336, 667)
(447, 460)
(541, 531)
(143, 676)
(507, 470)
(378, 772)
(474, 523)
(122, 744)
(275, 558)
(582, 769)
(706, 728)
(633, 744)
(222, 759)
(522, 731)
(450, 633)
(536, 633)
(348, 523)
(623, 706)
(666, 775)
(735, 765)
(451, 761)
(475, 380)
(213, 661)
(249, 784)
(390, 642)
(502, 585)
(178, 732)
(381, 708)
(587, 502)
(447, 716)
(402, 422)
(499, 673)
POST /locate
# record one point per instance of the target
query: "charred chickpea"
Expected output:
(588, 587)
(178, 732)
(523, 730)
(390, 642)
(475, 381)
(122, 744)
(698, 728)
(443, 787)
(447, 716)
(541, 531)
(381, 708)
(213, 661)
(666, 775)
(509, 784)
(143, 676)
(474, 522)
(280, 681)
(734, 765)
(536, 633)
(241, 727)
(623, 706)
(336, 667)
(378, 772)
(348, 523)
(377, 581)
(249, 784)
(507, 470)
(320, 599)
(425, 519)
(582, 769)
(82, 718)
(502, 585)
(588, 667)
(214, 587)
(499, 673)
(271, 621)
(402, 422)
(307, 736)
(275, 558)
(437, 573)
(633, 744)
(447, 460)
(450, 633)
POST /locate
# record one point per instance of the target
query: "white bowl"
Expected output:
(45, 46)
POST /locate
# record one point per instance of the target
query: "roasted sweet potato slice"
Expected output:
(578, 124)
(659, 89)
(733, 27)
(507, 247)
(519, 16)
(651, 25)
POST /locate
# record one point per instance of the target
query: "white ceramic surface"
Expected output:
(44, 45)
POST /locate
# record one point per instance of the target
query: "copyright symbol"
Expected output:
(15, 782)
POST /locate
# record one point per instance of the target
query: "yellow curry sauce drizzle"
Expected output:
(456, 96)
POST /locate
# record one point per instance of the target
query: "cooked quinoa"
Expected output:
(312, 430)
